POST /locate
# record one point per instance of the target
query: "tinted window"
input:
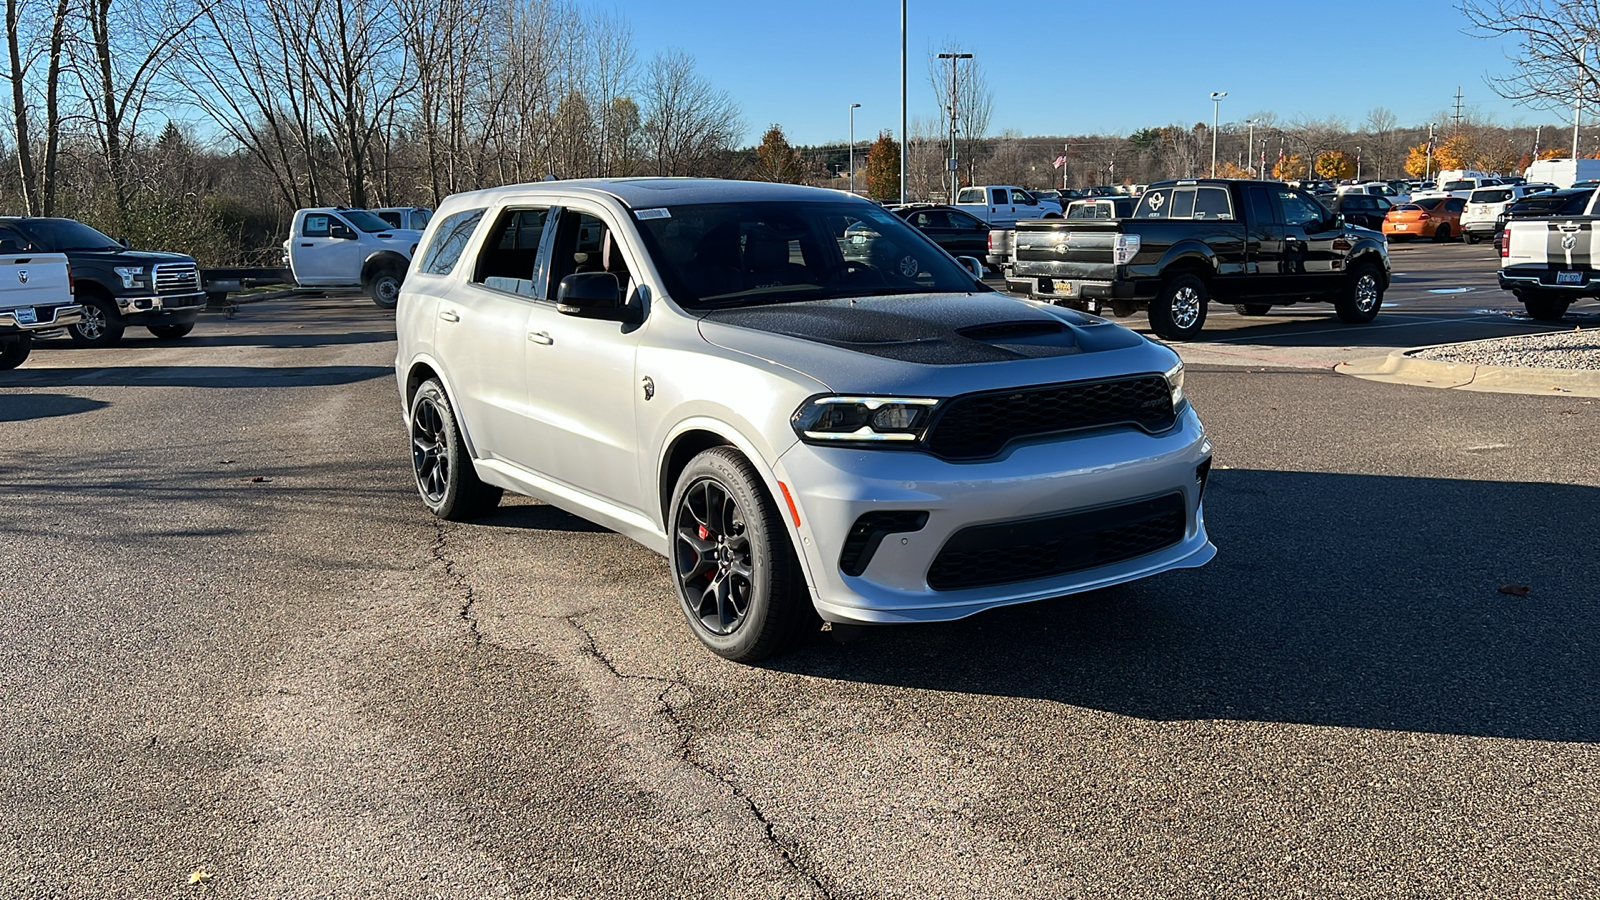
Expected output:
(584, 244)
(1455, 205)
(964, 221)
(58, 235)
(932, 218)
(1000, 197)
(1491, 195)
(1575, 204)
(511, 251)
(1155, 204)
(366, 221)
(1261, 211)
(1299, 209)
(420, 218)
(1212, 203)
(1182, 204)
(1458, 186)
(316, 225)
(448, 242)
(970, 195)
(393, 218)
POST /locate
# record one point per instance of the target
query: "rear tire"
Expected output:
(1252, 309)
(1179, 312)
(14, 351)
(384, 288)
(1544, 308)
(1441, 234)
(1472, 238)
(1362, 296)
(101, 326)
(440, 463)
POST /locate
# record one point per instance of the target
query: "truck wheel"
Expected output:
(1362, 296)
(1545, 308)
(449, 486)
(1180, 311)
(738, 581)
(101, 325)
(171, 332)
(1441, 234)
(384, 288)
(14, 351)
(1252, 309)
(1472, 238)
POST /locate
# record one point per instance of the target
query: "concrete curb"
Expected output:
(1401, 367)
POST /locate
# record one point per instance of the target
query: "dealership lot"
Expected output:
(238, 645)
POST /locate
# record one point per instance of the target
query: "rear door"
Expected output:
(1263, 242)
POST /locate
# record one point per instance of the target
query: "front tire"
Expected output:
(1362, 296)
(170, 332)
(1545, 308)
(736, 575)
(101, 326)
(384, 288)
(1180, 312)
(440, 464)
(14, 352)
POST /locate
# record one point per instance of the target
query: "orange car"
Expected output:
(1435, 217)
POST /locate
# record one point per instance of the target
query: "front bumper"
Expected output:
(46, 318)
(833, 487)
(157, 303)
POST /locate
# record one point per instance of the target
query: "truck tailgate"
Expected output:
(34, 280)
(1079, 249)
(1567, 243)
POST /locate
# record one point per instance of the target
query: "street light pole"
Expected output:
(1216, 104)
(1358, 165)
(905, 139)
(954, 172)
(1251, 153)
(853, 108)
(1577, 102)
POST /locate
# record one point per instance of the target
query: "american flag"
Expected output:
(1060, 161)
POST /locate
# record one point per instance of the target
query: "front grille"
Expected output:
(974, 426)
(1039, 548)
(175, 278)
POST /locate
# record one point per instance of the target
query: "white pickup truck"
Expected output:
(35, 295)
(1549, 263)
(349, 248)
(1002, 205)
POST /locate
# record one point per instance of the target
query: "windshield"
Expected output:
(365, 221)
(742, 254)
(1459, 186)
(61, 235)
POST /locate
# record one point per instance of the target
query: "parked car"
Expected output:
(1480, 217)
(1438, 218)
(1377, 189)
(349, 248)
(1569, 202)
(35, 296)
(116, 286)
(1549, 262)
(1456, 187)
(1102, 208)
(409, 218)
(1365, 210)
(703, 367)
(1002, 205)
(1255, 244)
(959, 233)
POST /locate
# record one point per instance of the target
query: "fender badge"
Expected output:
(649, 388)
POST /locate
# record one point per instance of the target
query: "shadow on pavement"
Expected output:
(22, 407)
(195, 376)
(1336, 600)
(302, 340)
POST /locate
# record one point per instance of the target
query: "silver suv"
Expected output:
(802, 402)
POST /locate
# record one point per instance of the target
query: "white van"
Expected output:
(1484, 207)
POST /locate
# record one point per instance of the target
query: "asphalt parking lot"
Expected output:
(238, 651)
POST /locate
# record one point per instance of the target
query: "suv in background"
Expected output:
(1484, 206)
(1366, 210)
(116, 286)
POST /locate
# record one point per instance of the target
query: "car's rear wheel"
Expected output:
(1179, 312)
(171, 332)
(101, 326)
(1362, 296)
(440, 463)
(733, 565)
(384, 288)
(1545, 308)
(1252, 309)
(1473, 238)
(14, 350)
(1442, 233)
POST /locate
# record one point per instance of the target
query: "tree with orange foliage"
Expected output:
(1417, 161)
(1335, 165)
(1227, 169)
(1290, 168)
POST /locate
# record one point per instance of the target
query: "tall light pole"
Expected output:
(1252, 154)
(905, 139)
(853, 108)
(1216, 104)
(955, 173)
(1577, 102)
(1358, 165)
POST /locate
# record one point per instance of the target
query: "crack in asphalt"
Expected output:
(459, 580)
(686, 753)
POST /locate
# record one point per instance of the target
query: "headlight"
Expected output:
(1174, 377)
(130, 275)
(864, 419)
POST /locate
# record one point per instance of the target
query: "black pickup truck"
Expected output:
(1255, 244)
(117, 286)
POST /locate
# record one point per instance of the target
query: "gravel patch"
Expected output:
(1577, 349)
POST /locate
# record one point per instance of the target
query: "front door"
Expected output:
(1308, 237)
(320, 257)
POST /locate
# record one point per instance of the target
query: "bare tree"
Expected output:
(965, 84)
(688, 122)
(1555, 62)
(38, 189)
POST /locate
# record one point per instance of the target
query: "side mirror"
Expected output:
(592, 295)
(343, 232)
(123, 242)
(972, 265)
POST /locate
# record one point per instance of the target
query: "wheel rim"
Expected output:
(1185, 307)
(1367, 292)
(93, 324)
(712, 557)
(388, 290)
(430, 452)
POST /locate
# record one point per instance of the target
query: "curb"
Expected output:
(1400, 367)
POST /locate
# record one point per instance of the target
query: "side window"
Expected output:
(1300, 210)
(1213, 203)
(1001, 197)
(315, 225)
(1261, 211)
(1023, 198)
(12, 241)
(936, 219)
(448, 242)
(970, 195)
(968, 223)
(393, 218)
(584, 243)
(1156, 204)
(1182, 204)
(1455, 205)
(511, 251)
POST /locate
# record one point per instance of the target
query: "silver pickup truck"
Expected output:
(35, 295)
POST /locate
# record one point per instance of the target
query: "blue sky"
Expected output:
(1081, 66)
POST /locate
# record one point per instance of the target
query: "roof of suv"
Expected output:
(646, 193)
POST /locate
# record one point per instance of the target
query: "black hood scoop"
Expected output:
(930, 329)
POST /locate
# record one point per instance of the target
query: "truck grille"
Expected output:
(176, 278)
(974, 426)
(1040, 548)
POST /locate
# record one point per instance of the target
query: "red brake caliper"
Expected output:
(705, 535)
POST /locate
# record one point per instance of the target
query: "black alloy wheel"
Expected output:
(1358, 303)
(738, 581)
(1442, 234)
(170, 332)
(101, 326)
(446, 481)
(14, 350)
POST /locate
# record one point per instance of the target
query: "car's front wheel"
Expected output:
(101, 326)
(384, 288)
(445, 479)
(737, 578)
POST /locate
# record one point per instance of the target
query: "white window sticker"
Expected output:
(657, 213)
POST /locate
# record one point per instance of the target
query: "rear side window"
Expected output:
(1458, 186)
(970, 195)
(1261, 209)
(448, 242)
(511, 252)
(1491, 195)
(1455, 205)
(1184, 202)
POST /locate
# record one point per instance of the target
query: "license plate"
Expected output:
(1401, 226)
(1569, 278)
(27, 316)
(1064, 288)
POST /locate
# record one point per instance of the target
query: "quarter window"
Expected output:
(448, 242)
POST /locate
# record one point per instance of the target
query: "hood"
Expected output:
(405, 236)
(126, 257)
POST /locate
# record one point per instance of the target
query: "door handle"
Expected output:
(449, 315)
(541, 337)
(308, 245)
